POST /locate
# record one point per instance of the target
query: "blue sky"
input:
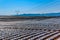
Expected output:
(9, 7)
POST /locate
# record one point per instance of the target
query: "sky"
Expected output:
(11, 7)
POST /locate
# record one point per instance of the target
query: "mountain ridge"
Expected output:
(47, 14)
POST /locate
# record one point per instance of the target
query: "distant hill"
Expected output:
(29, 17)
(47, 14)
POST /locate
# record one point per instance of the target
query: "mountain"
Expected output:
(47, 14)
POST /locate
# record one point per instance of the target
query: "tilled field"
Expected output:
(17, 34)
(30, 30)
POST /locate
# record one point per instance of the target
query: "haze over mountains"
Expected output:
(47, 14)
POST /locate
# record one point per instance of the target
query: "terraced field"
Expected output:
(30, 30)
